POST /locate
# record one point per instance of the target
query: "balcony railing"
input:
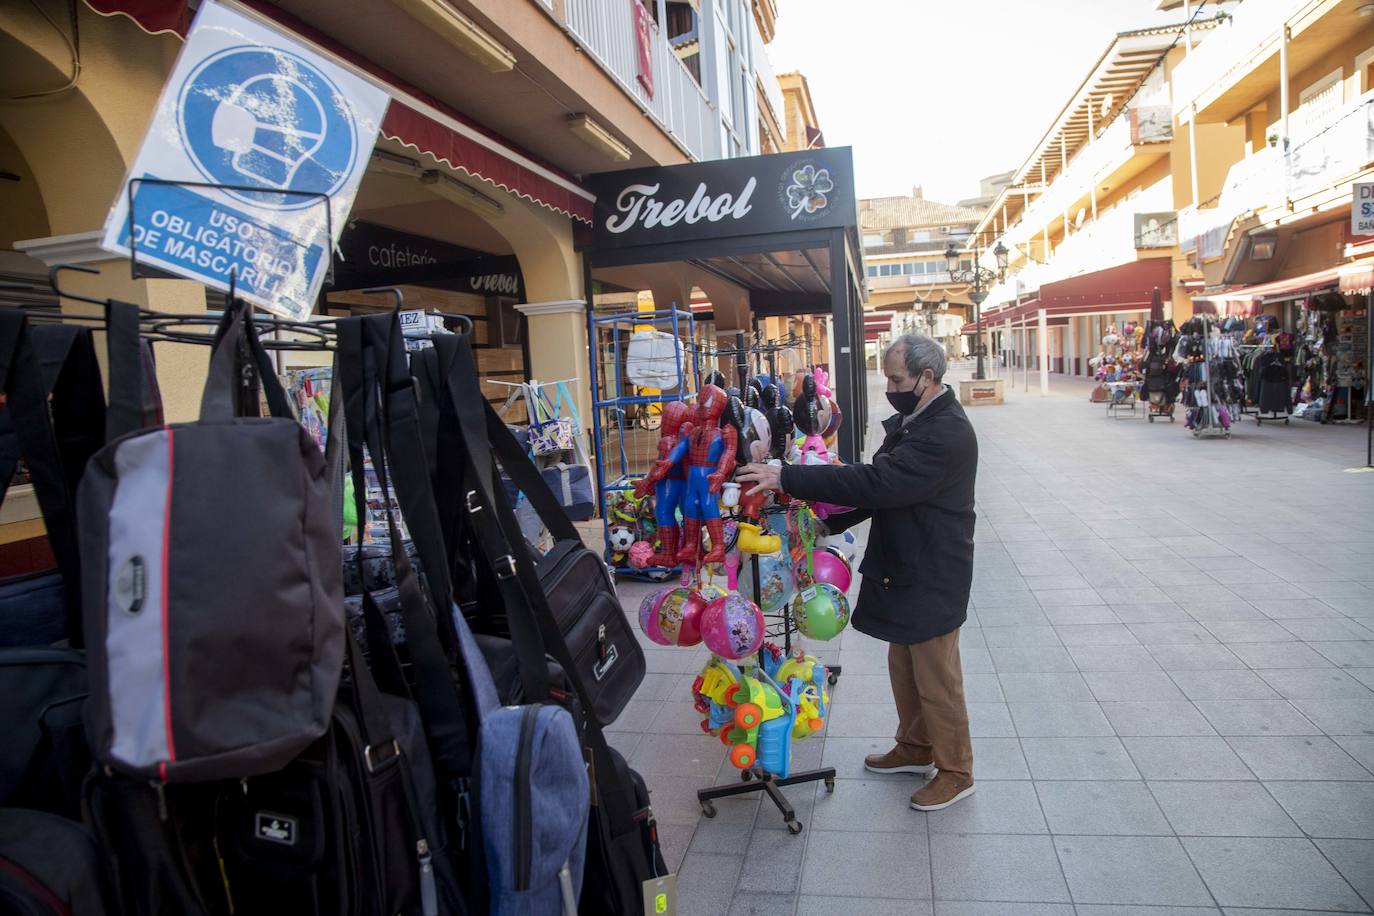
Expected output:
(1106, 243)
(1212, 64)
(1075, 181)
(605, 29)
(772, 89)
(1328, 149)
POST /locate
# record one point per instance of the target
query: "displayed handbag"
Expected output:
(224, 663)
(551, 431)
(571, 485)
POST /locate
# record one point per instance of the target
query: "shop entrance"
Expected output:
(779, 231)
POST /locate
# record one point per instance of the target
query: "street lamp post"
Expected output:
(979, 277)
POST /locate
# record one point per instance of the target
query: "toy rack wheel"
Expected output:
(1285, 421)
(830, 785)
(832, 679)
(707, 808)
(1171, 418)
(746, 775)
(794, 827)
(1152, 418)
(1228, 435)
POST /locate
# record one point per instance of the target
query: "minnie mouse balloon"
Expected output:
(671, 616)
(732, 626)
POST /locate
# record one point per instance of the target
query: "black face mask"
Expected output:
(904, 402)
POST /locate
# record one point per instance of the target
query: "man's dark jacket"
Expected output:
(919, 493)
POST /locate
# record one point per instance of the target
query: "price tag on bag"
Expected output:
(660, 896)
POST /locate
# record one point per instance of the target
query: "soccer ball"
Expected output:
(620, 539)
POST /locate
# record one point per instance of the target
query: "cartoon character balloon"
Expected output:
(672, 616)
(821, 612)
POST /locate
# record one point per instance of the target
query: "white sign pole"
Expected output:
(250, 165)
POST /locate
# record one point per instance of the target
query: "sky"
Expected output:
(943, 94)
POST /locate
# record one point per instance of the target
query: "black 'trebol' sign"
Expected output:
(755, 195)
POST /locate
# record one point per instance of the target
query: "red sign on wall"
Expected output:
(644, 38)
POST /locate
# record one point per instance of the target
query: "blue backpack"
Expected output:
(532, 797)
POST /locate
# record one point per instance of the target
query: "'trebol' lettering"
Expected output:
(636, 204)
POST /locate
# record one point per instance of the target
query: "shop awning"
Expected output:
(1245, 300)
(1125, 288)
(1356, 278)
(414, 119)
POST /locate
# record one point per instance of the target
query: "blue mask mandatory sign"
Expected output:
(254, 154)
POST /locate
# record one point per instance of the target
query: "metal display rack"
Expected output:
(755, 778)
(624, 422)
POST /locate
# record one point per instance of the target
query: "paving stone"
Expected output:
(1361, 747)
(1113, 658)
(1167, 718)
(1171, 634)
(1059, 720)
(1100, 634)
(1222, 809)
(974, 908)
(1233, 631)
(706, 883)
(879, 804)
(1042, 687)
(997, 806)
(1135, 870)
(1329, 809)
(1326, 629)
(1223, 684)
(810, 905)
(1339, 717)
(866, 864)
(1313, 757)
(1354, 859)
(1285, 873)
(1078, 758)
(1104, 808)
(771, 866)
(1315, 683)
(999, 758)
(1032, 659)
(1186, 758)
(1280, 655)
(1118, 910)
(1348, 653)
(1195, 658)
(1153, 612)
(1020, 636)
(757, 904)
(996, 867)
(1256, 717)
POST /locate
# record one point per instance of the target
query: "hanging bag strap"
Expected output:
(229, 371)
(27, 405)
(532, 602)
(435, 691)
(487, 507)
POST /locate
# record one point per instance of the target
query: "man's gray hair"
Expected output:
(919, 353)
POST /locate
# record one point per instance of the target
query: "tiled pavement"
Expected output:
(1169, 664)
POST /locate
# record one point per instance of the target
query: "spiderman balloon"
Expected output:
(668, 480)
(710, 462)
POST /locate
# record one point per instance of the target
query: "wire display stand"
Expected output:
(626, 416)
(755, 778)
(776, 357)
(1207, 420)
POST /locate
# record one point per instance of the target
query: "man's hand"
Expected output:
(764, 477)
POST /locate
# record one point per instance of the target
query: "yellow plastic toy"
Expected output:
(755, 704)
(806, 678)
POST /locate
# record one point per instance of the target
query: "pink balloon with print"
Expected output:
(827, 567)
(733, 626)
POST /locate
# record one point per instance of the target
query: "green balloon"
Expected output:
(820, 612)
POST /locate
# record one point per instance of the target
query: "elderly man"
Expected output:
(918, 567)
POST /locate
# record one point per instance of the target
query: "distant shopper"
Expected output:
(918, 566)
